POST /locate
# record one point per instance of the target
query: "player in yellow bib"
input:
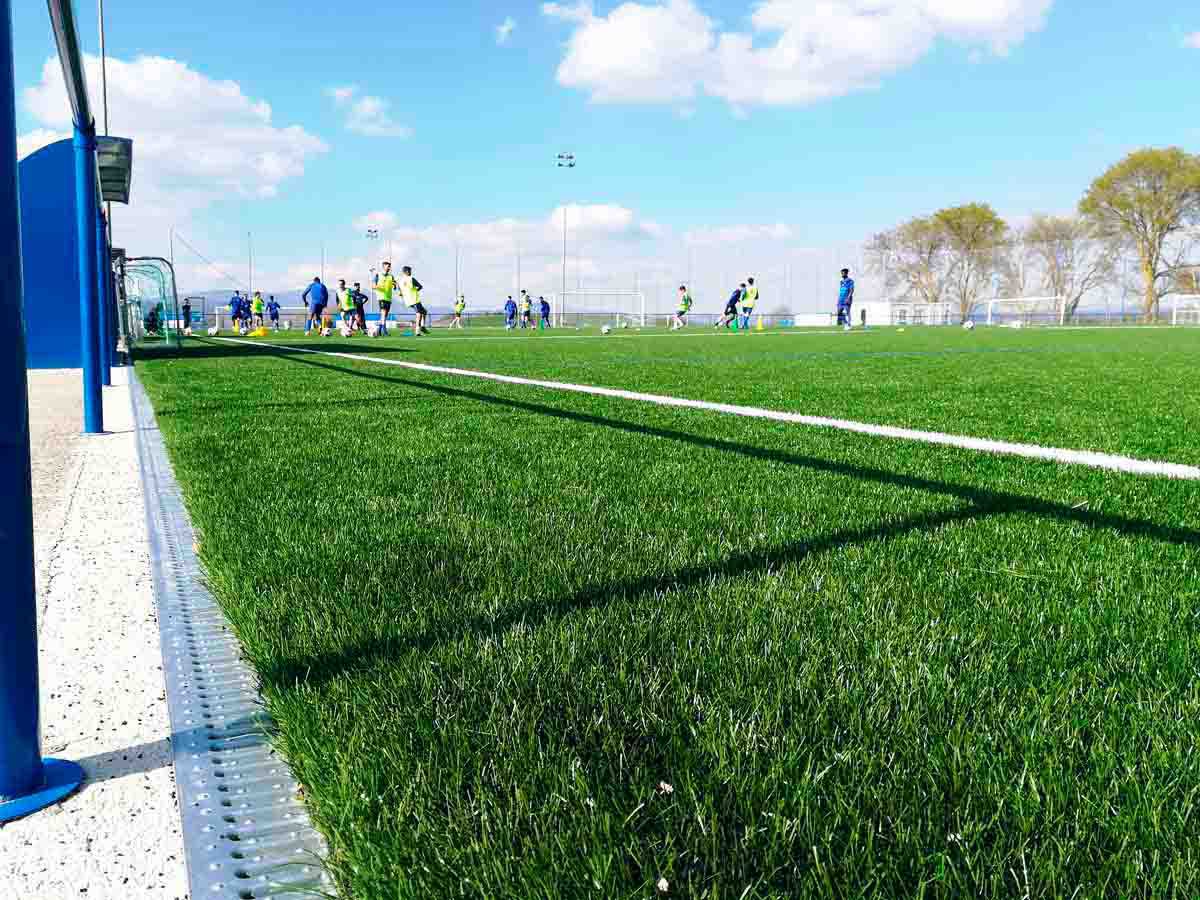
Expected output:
(459, 306)
(526, 306)
(410, 291)
(345, 303)
(679, 320)
(749, 298)
(385, 285)
(257, 305)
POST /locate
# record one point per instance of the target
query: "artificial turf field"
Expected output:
(531, 644)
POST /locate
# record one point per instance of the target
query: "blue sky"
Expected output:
(685, 117)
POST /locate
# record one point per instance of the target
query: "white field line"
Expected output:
(710, 333)
(1087, 458)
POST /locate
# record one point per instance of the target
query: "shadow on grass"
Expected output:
(983, 498)
(358, 657)
(207, 348)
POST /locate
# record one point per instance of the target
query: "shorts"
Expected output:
(274, 317)
(314, 309)
(418, 308)
(510, 319)
(385, 306)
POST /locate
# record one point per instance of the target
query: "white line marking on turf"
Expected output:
(1087, 458)
(628, 336)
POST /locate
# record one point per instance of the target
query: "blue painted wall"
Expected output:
(51, 264)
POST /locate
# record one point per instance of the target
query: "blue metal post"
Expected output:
(102, 300)
(26, 781)
(89, 307)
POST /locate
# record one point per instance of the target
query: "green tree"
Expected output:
(1074, 257)
(1144, 201)
(974, 237)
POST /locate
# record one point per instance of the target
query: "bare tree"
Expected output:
(1017, 264)
(912, 259)
(1074, 257)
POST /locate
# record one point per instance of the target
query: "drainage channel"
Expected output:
(246, 833)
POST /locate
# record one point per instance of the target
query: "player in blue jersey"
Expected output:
(316, 295)
(544, 309)
(845, 300)
(731, 307)
(273, 312)
(510, 314)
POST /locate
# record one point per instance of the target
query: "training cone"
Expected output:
(259, 332)
(759, 326)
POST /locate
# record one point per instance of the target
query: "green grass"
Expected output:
(492, 620)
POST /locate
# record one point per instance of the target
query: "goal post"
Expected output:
(1022, 311)
(1186, 310)
(585, 308)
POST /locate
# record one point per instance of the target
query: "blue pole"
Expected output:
(102, 300)
(89, 306)
(26, 781)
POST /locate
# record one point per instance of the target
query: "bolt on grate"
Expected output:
(246, 833)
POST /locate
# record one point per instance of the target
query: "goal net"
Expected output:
(584, 309)
(1186, 311)
(1018, 312)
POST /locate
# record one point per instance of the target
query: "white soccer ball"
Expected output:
(372, 329)
(287, 326)
(624, 324)
(605, 329)
(325, 332)
(214, 331)
(969, 325)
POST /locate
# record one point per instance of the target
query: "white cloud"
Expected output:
(1192, 40)
(505, 29)
(366, 114)
(384, 220)
(734, 234)
(195, 139)
(796, 51)
(579, 12)
(37, 139)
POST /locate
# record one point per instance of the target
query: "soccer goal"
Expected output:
(1019, 312)
(1186, 311)
(581, 309)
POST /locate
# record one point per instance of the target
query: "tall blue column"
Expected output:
(26, 781)
(89, 307)
(102, 300)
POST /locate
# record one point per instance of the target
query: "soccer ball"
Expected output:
(325, 332)
(372, 330)
(214, 331)
(969, 325)
(287, 326)
(624, 324)
(605, 329)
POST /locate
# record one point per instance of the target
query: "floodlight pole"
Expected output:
(565, 161)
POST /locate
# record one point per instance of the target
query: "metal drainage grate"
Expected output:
(245, 831)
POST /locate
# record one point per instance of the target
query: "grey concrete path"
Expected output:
(103, 701)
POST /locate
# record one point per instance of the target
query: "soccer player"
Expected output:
(273, 312)
(235, 309)
(510, 314)
(257, 305)
(749, 298)
(731, 307)
(187, 317)
(344, 302)
(410, 290)
(360, 306)
(685, 305)
(316, 295)
(459, 305)
(544, 309)
(385, 283)
(845, 300)
(526, 311)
